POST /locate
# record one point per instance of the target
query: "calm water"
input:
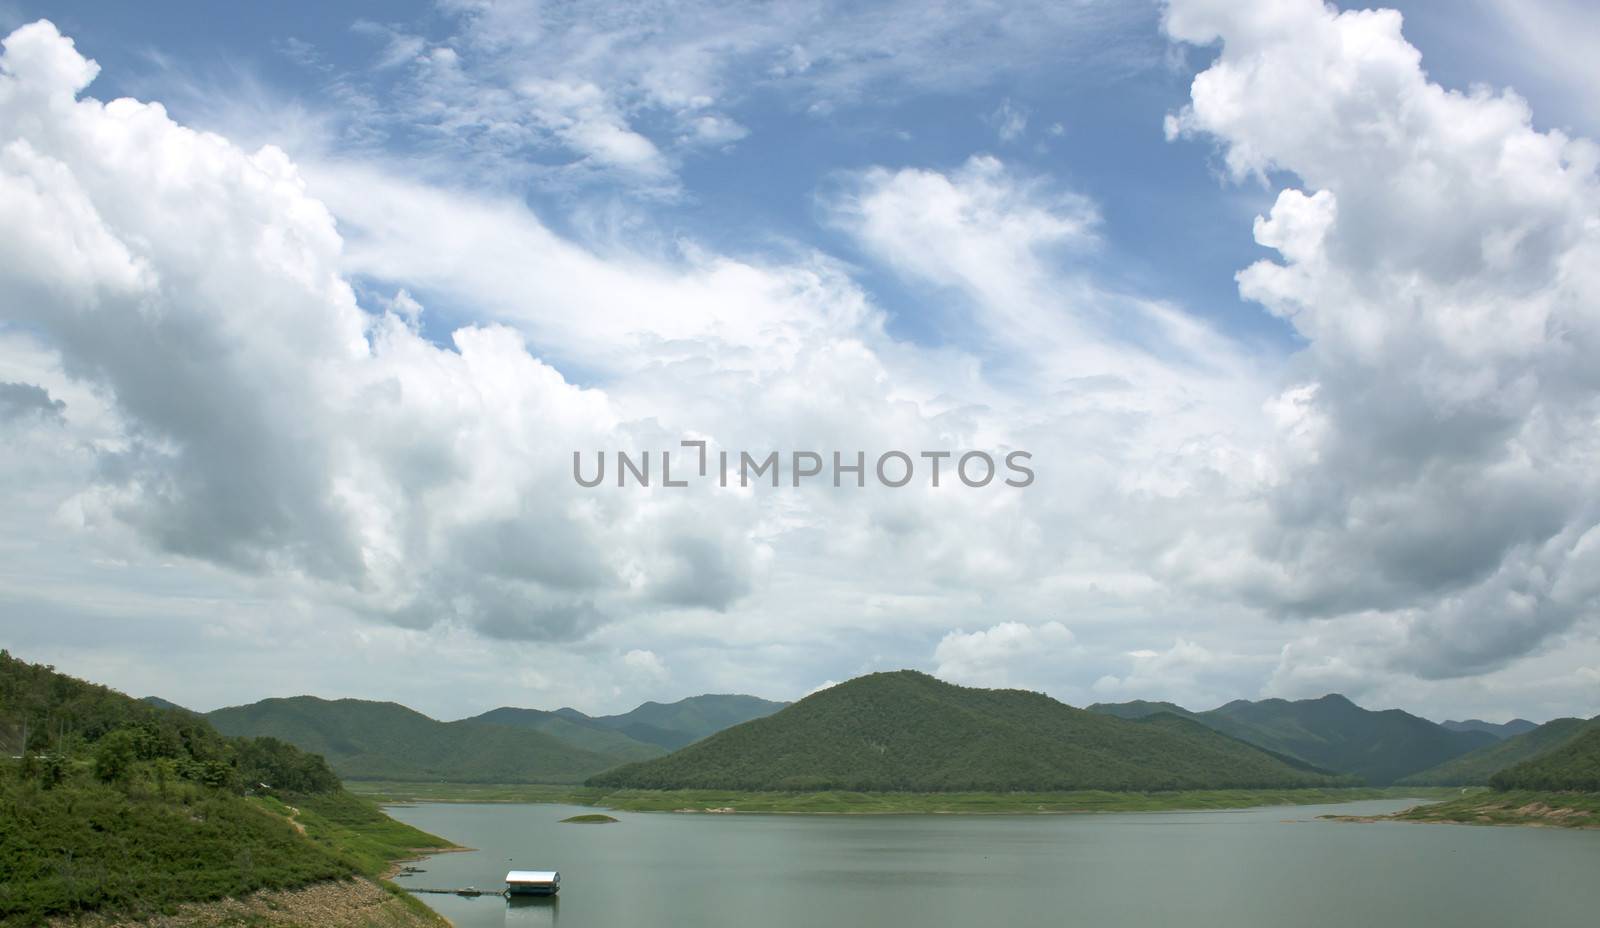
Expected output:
(1262, 867)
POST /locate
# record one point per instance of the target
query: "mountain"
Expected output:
(1333, 733)
(1501, 730)
(1575, 765)
(1139, 708)
(385, 741)
(907, 731)
(597, 738)
(160, 703)
(673, 725)
(1475, 768)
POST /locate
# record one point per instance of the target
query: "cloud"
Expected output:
(1188, 673)
(271, 423)
(1007, 654)
(644, 663)
(1008, 121)
(269, 395)
(1437, 461)
(274, 422)
(519, 92)
(20, 400)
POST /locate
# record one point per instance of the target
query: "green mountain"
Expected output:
(109, 804)
(673, 725)
(1333, 733)
(1500, 730)
(906, 731)
(160, 703)
(386, 741)
(596, 738)
(1574, 765)
(1475, 768)
(1139, 708)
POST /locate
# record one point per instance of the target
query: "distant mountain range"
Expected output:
(669, 726)
(1502, 730)
(1573, 765)
(1333, 733)
(908, 731)
(1476, 768)
(366, 740)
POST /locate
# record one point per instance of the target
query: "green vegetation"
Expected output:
(593, 818)
(907, 731)
(366, 740)
(895, 803)
(1331, 733)
(1574, 765)
(612, 744)
(1476, 767)
(112, 804)
(1515, 807)
(1501, 730)
(384, 741)
(355, 828)
(666, 726)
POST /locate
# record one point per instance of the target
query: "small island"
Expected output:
(593, 818)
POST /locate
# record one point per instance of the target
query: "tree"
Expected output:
(115, 754)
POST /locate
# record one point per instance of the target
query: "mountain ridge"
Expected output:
(907, 731)
(1478, 767)
(1332, 732)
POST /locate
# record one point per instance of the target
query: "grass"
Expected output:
(837, 802)
(85, 847)
(1514, 807)
(590, 819)
(354, 829)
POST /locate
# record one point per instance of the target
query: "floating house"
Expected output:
(533, 883)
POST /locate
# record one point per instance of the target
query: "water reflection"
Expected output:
(533, 910)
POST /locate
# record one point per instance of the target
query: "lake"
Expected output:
(1275, 867)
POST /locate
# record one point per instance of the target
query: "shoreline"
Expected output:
(729, 802)
(1526, 808)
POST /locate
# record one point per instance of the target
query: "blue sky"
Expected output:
(1169, 222)
(1290, 333)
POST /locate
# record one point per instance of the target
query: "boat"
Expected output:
(533, 883)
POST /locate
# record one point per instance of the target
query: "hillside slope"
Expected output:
(597, 738)
(1501, 730)
(109, 804)
(673, 725)
(1474, 768)
(1575, 765)
(908, 731)
(1138, 709)
(385, 741)
(1330, 733)
(1336, 734)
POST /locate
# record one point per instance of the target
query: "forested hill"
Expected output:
(1475, 768)
(1501, 730)
(908, 731)
(1575, 765)
(1331, 733)
(662, 726)
(366, 740)
(109, 804)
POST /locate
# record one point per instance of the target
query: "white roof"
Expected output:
(532, 876)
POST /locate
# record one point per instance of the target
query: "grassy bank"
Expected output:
(822, 803)
(1513, 807)
(354, 829)
(114, 811)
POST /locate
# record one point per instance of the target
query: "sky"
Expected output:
(1293, 307)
